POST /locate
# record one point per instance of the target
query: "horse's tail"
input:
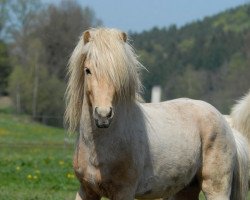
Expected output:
(240, 116)
(240, 175)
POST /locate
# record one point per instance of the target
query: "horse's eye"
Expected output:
(87, 71)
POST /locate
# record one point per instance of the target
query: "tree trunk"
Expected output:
(35, 92)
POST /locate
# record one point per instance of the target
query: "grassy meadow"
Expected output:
(35, 161)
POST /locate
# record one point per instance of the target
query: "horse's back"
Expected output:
(187, 114)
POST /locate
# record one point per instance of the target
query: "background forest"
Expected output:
(208, 59)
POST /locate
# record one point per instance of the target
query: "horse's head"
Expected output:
(100, 93)
(103, 69)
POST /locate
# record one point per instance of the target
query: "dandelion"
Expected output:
(29, 177)
(70, 176)
(3, 132)
(18, 168)
(61, 162)
(35, 177)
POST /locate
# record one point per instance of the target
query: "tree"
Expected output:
(3, 13)
(43, 39)
(23, 22)
(4, 56)
(42, 99)
(4, 68)
(60, 32)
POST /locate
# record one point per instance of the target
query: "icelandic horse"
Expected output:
(126, 149)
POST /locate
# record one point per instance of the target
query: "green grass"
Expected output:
(36, 161)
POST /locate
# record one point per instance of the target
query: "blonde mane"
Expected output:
(241, 115)
(111, 58)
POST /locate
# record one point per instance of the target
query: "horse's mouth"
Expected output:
(103, 124)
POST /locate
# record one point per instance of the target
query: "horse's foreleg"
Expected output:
(85, 197)
(189, 193)
(124, 194)
(83, 194)
(78, 197)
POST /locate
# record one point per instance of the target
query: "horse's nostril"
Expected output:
(110, 113)
(102, 112)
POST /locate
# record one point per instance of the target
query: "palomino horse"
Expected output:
(239, 119)
(127, 149)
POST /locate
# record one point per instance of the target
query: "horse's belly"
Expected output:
(166, 183)
(174, 159)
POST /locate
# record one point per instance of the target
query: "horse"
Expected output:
(239, 118)
(128, 149)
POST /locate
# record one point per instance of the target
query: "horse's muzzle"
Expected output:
(103, 116)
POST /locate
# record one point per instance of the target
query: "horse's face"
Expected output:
(100, 93)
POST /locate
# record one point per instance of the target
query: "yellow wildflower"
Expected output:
(61, 162)
(29, 177)
(18, 168)
(70, 176)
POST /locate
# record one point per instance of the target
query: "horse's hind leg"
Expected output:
(216, 182)
(217, 169)
(216, 177)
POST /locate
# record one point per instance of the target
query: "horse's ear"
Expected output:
(124, 36)
(86, 37)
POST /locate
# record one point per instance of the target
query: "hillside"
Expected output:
(207, 59)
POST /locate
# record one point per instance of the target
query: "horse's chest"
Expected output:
(104, 181)
(103, 177)
(91, 176)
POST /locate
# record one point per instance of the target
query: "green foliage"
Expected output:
(236, 20)
(49, 97)
(207, 59)
(3, 14)
(191, 83)
(186, 45)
